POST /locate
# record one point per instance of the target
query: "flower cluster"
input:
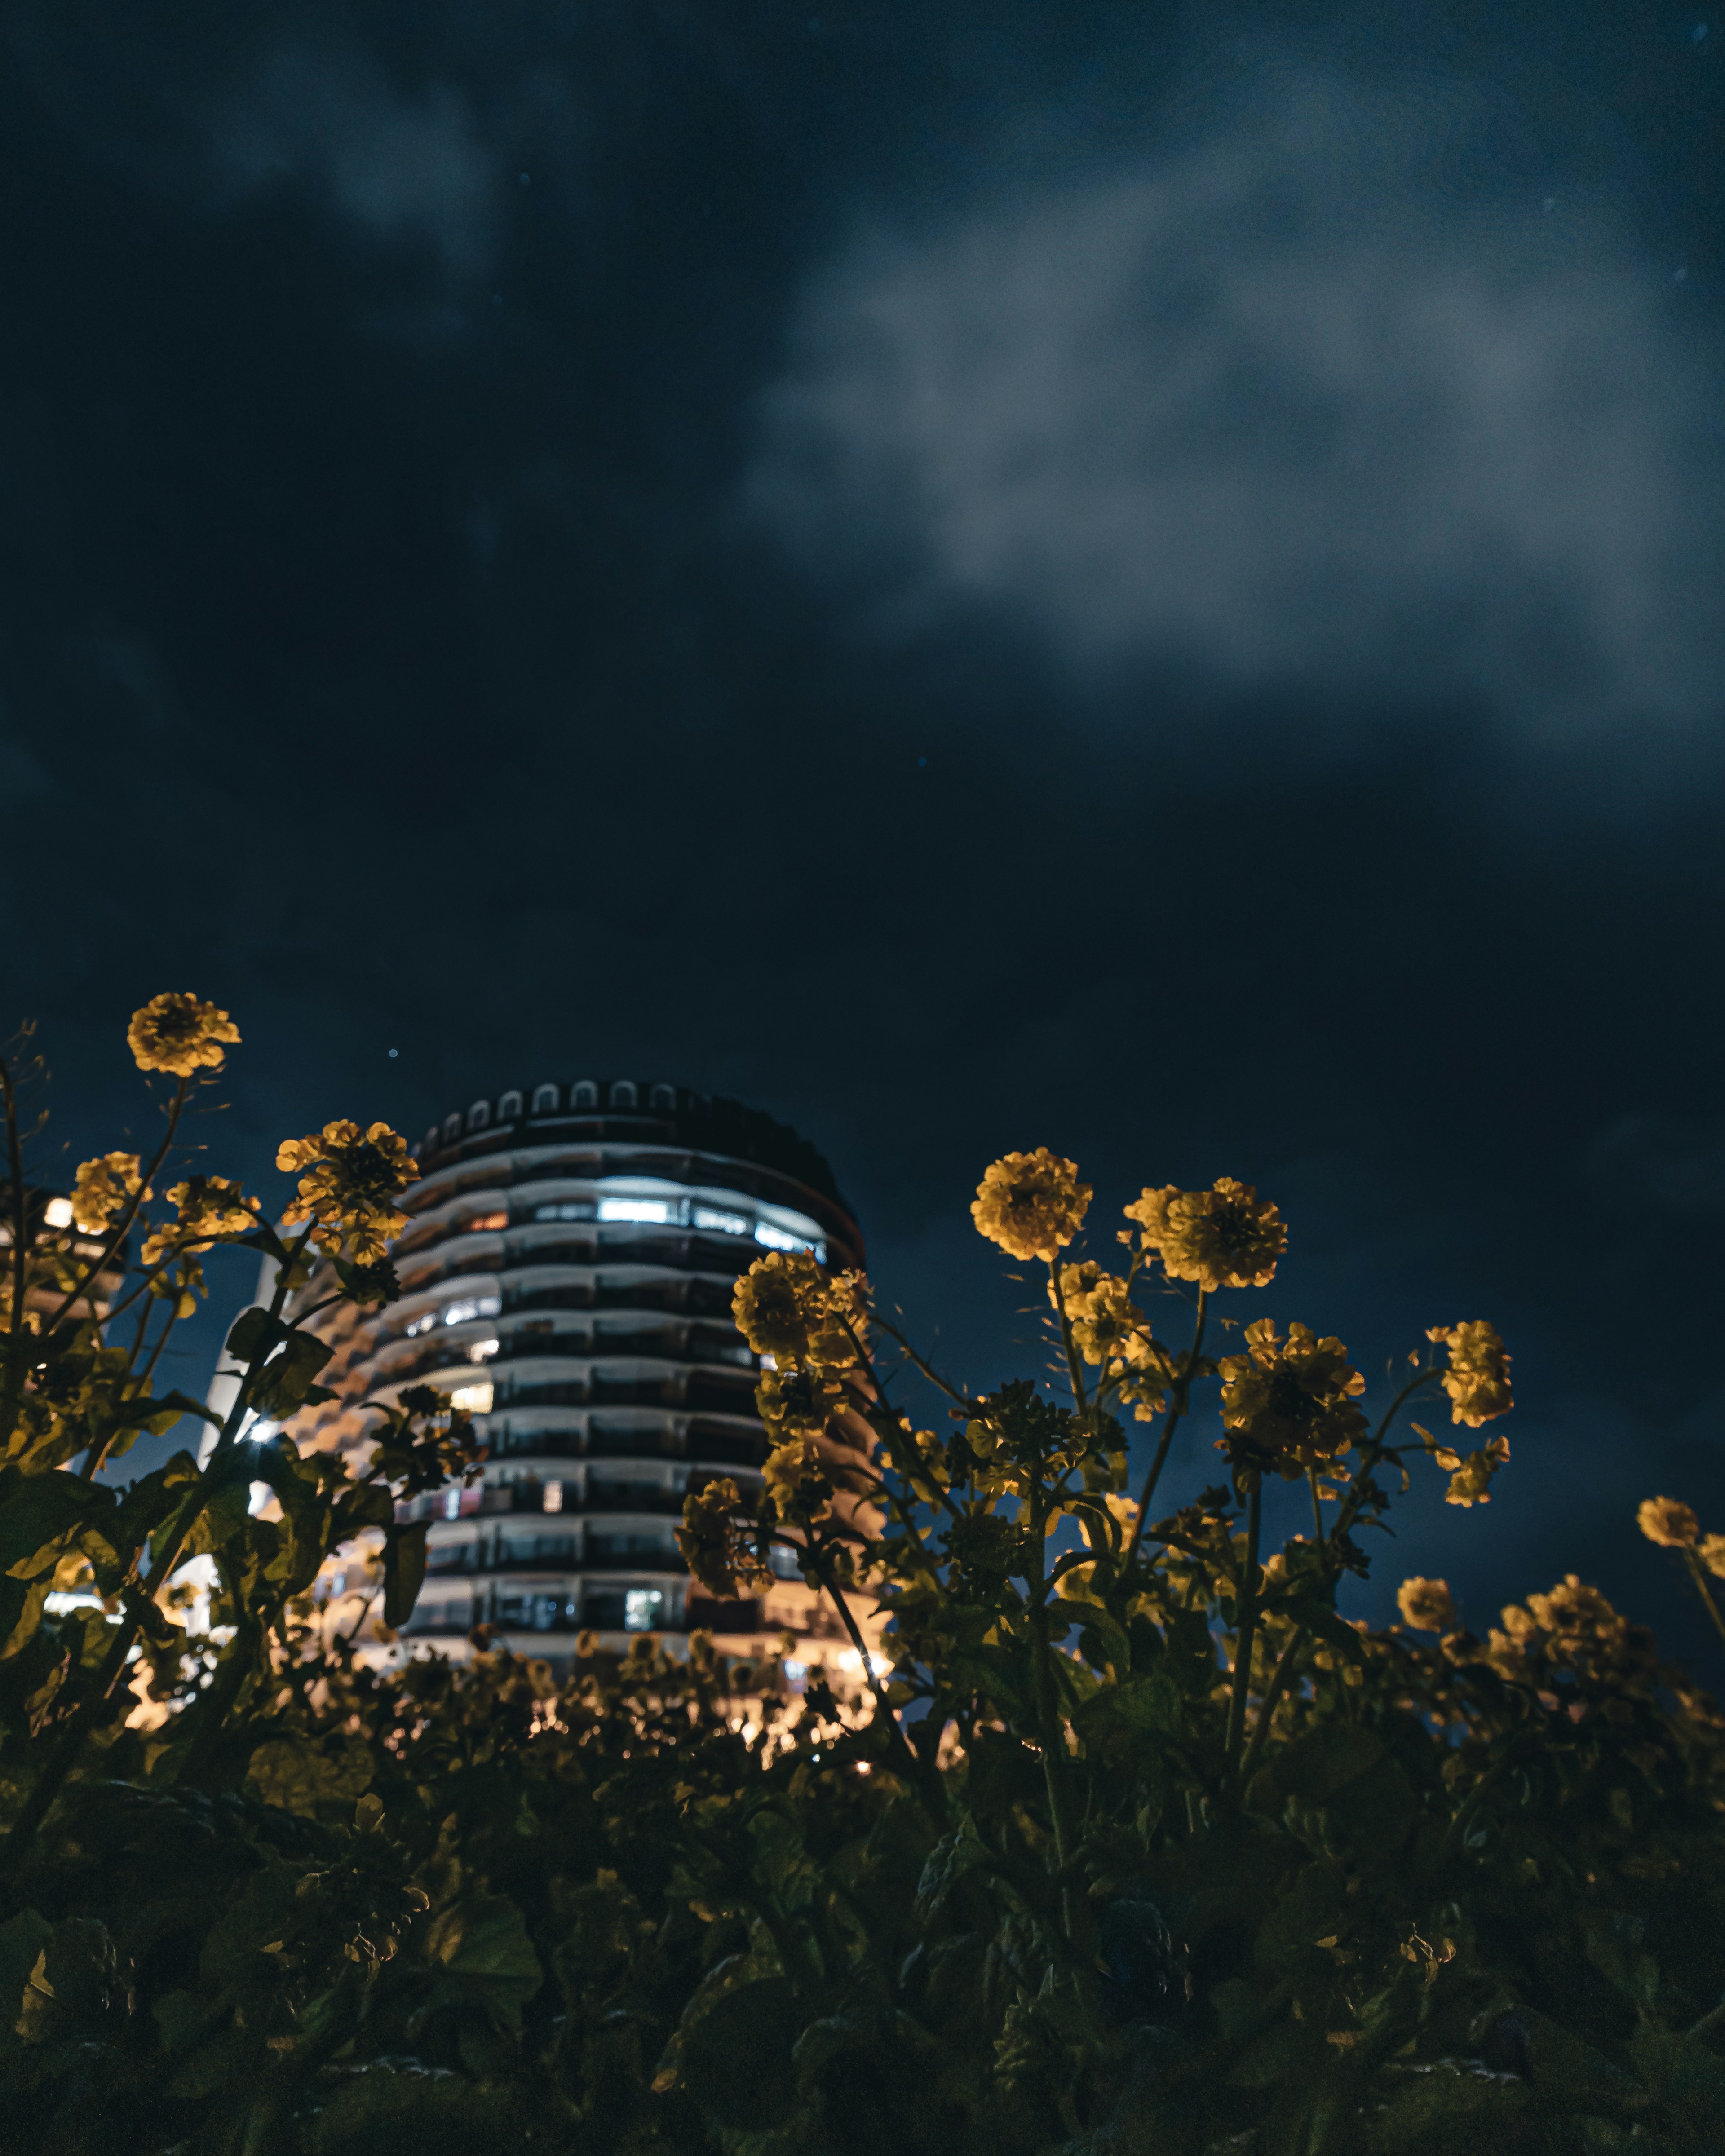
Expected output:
(349, 1190)
(797, 1479)
(721, 1554)
(179, 1034)
(1573, 1630)
(1425, 1604)
(1673, 1526)
(1288, 1405)
(1225, 1237)
(207, 1208)
(1031, 1203)
(1477, 1379)
(1109, 1329)
(789, 1307)
(103, 1188)
(1470, 1479)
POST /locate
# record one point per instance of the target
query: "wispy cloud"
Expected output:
(1298, 403)
(397, 163)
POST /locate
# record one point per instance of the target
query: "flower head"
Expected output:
(353, 1180)
(208, 1206)
(1712, 1555)
(179, 1034)
(1425, 1604)
(1477, 1379)
(1109, 1328)
(1470, 1479)
(795, 1473)
(1288, 1405)
(102, 1187)
(1224, 1237)
(790, 1307)
(1031, 1203)
(1668, 1523)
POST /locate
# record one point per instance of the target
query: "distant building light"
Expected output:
(641, 1606)
(471, 1306)
(471, 1399)
(656, 1210)
(778, 1238)
(553, 1497)
(452, 1502)
(423, 1323)
(481, 1351)
(568, 1209)
(726, 1223)
(482, 1221)
(58, 1212)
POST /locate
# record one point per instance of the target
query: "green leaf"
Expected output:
(300, 1775)
(36, 1511)
(254, 1334)
(960, 1850)
(482, 1955)
(285, 1383)
(403, 1570)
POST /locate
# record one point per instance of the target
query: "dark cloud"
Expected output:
(1313, 397)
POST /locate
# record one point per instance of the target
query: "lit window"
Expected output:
(452, 1504)
(726, 1223)
(553, 1497)
(470, 1306)
(641, 1606)
(635, 1209)
(567, 1209)
(776, 1238)
(481, 1221)
(783, 1563)
(481, 1351)
(423, 1323)
(58, 1212)
(471, 1399)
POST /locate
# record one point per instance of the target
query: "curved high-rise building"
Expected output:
(567, 1275)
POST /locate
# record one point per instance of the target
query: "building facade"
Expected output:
(567, 1277)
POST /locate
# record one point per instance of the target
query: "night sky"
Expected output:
(972, 574)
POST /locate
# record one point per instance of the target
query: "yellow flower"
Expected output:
(353, 1179)
(715, 1543)
(1712, 1555)
(1031, 1203)
(102, 1187)
(1290, 1402)
(178, 1033)
(1470, 1479)
(788, 1306)
(1425, 1604)
(207, 1206)
(796, 1478)
(1477, 1379)
(1225, 1237)
(1668, 1523)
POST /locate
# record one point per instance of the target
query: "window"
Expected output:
(479, 1114)
(481, 1351)
(776, 1238)
(471, 1399)
(423, 1323)
(553, 1497)
(470, 1306)
(545, 1100)
(724, 1224)
(783, 1563)
(656, 1210)
(566, 1208)
(479, 1222)
(665, 1096)
(508, 1108)
(641, 1606)
(452, 1504)
(585, 1096)
(452, 1129)
(623, 1094)
(57, 1213)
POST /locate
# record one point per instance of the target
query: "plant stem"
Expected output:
(1059, 1297)
(1697, 1573)
(1177, 1408)
(1272, 1698)
(1247, 1629)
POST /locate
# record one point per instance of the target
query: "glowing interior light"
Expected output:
(481, 1351)
(471, 1399)
(452, 1504)
(640, 1608)
(58, 1212)
(553, 1497)
(726, 1223)
(634, 1208)
(469, 1306)
(776, 1238)
(423, 1323)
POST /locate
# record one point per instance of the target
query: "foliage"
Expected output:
(1136, 1848)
